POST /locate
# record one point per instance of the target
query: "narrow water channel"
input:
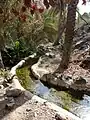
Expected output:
(78, 107)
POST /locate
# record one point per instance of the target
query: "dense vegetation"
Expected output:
(26, 24)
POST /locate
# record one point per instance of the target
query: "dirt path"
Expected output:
(31, 111)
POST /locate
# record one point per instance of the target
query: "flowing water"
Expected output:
(79, 107)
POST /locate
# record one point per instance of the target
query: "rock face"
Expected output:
(48, 62)
(77, 76)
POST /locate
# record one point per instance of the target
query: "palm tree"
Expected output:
(61, 27)
(69, 34)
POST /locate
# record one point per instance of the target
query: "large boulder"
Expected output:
(74, 78)
(48, 62)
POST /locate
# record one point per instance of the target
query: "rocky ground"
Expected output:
(22, 108)
(16, 104)
(77, 76)
(22, 105)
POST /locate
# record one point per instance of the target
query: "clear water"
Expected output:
(78, 107)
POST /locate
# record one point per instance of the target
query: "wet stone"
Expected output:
(13, 92)
(10, 103)
(54, 81)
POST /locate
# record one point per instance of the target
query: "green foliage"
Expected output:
(24, 78)
(67, 99)
(41, 30)
(13, 54)
(22, 38)
(3, 73)
(51, 24)
(82, 19)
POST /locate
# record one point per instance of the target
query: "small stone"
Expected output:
(28, 94)
(10, 106)
(10, 103)
(68, 77)
(54, 81)
(6, 98)
(1, 86)
(35, 114)
(10, 99)
(45, 103)
(58, 117)
(28, 109)
(51, 55)
(13, 92)
(47, 66)
(88, 58)
(36, 101)
(1, 80)
(80, 80)
(47, 54)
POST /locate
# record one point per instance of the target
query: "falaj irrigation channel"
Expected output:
(79, 107)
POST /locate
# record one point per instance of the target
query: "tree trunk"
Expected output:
(61, 28)
(61, 23)
(69, 34)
